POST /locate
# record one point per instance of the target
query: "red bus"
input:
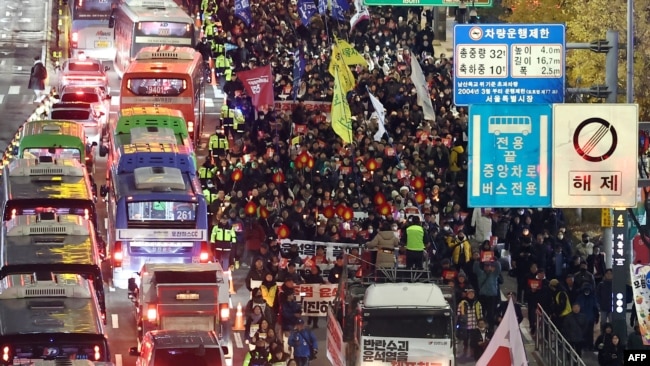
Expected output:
(170, 77)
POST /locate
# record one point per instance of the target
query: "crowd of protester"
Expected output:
(569, 280)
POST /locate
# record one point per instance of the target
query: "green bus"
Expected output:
(147, 125)
(55, 138)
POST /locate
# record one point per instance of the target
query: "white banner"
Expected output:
(307, 248)
(405, 351)
(334, 340)
(640, 275)
(161, 234)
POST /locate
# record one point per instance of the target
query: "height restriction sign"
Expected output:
(594, 155)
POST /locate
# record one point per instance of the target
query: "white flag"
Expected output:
(420, 82)
(381, 117)
(506, 346)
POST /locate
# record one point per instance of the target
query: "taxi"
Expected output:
(83, 71)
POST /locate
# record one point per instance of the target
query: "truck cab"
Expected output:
(180, 347)
(182, 297)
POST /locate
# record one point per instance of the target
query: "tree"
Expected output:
(589, 23)
(536, 11)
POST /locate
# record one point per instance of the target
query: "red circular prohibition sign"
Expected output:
(585, 150)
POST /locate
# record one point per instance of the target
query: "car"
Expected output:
(180, 347)
(82, 113)
(95, 96)
(84, 71)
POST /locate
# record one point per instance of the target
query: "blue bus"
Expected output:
(156, 210)
(88, 29)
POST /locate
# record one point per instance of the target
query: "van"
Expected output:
(180, 347)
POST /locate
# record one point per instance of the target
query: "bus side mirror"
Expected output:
(103, 151)
(103, 191)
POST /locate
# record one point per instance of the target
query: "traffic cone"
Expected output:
(232, 285)
(197, 23)
(239, 319)
(213, 76)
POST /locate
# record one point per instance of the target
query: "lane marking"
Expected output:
(238, 341)
(14, 89)
(114, 321)
(118, 360)
(209, 103)
(3, 62)
(2, 98)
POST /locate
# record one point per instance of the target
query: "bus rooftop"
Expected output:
(404, 295)
(133, 156)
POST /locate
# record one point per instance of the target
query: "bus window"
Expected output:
(165, 29)
(161, 211)
(157, 87)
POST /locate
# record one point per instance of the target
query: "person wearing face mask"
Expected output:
(564, 242)
(385, 243)
(461, 250)
(585, 248)
(583, 276)
(260, 356)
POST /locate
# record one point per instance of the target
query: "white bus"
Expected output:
(88, 28)
(141, 23)
(510, 124)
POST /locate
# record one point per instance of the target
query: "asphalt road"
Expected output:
(24, 27)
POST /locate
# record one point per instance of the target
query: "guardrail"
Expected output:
(551, 345)
(40, 112)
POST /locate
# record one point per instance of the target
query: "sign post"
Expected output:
(620, 271)
(595, 155)
(509, 64)
(509, 155)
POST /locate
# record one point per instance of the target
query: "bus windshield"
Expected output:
(92, 9)
(165, 29)
(161, 211)
(55, 152)
(431, 326)
(187, 356)
(156, 87)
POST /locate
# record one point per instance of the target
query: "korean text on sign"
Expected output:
(595, 183)
(509, 177)
(317, 298)
(381, 350)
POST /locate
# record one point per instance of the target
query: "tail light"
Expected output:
(75, 37)
(6, 354)
(204, 257)
(98, 354)
(152, 314)
(224, 312)
(190, 126)
(118, 255)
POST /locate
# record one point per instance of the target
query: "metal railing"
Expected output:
(551, 345)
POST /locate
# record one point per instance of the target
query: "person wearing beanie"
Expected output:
(560, 304)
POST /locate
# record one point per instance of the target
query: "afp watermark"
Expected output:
(636, 358)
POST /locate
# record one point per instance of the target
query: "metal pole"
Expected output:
(630, 51)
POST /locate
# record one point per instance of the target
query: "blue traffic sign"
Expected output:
(509, 63)
(509, 155)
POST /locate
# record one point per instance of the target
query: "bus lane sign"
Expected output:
(509, 155)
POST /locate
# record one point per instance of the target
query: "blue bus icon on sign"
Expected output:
(498, 125)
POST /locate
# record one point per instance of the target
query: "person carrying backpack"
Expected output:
(260, 356)
(303, 341)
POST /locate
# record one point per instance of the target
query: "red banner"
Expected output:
(258, 83)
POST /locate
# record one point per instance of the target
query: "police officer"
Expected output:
(211, 195)
(223, 238)
(414, 239)
(228, 117)
(239, 122)
(218, 144)
(206, 171)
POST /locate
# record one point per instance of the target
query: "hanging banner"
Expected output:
(335, 343)
(640, 275)
(315, 299)
(258, 83)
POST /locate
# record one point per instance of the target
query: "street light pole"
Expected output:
(630, 51)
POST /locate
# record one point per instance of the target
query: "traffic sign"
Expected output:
(509, 155)
(477, 3)
(595, 155)
(509, 63)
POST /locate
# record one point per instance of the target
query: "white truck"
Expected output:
(402, 324)
(182, 297)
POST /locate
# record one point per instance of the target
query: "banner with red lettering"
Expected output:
(258, 83)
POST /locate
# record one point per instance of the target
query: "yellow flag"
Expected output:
(350, 55)
(341, 116)
(338, 67)
(295, 140)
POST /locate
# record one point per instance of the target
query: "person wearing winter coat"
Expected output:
(258, 300)
(304, 343)
(488, 291)
(291, 312)
(385, 242)
(254, 236)
(313, 276)
(605, 301)
(573, 326)
(269, 290)
(635, 341)
(604, 338)
(612, 354)
(589, 307)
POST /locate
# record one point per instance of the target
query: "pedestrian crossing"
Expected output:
(13, 95)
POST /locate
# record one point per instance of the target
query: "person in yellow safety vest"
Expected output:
(223, 237)
(227, 117)
(220, 41)
(414, 237)
(560, 303)
(228, 74)
(211, 195)
(239, 121)
(218, 144)
(220, 63)
(206, 171)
